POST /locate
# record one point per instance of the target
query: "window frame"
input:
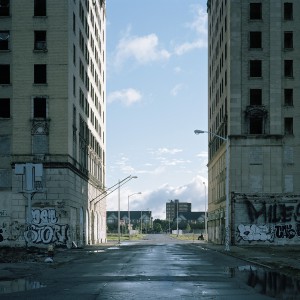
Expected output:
(5, 112)
(255, 70)
(40, 69)
(40, 40)
(40, 8)
(253, 13)
(5, 10)
(5, 42)
(255, 42)
(5, 78)
(288, 11)
(42, 111)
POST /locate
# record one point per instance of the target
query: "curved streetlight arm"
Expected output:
(112, 188)
(198, 131)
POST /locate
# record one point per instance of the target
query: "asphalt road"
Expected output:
(156, 268)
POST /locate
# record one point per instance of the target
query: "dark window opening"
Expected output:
(40, 40)
(255, 11)
(288, 40)
(4, 40)
(40, 74)
(5, 108)
(288, 126)
(4, 74)
(288, 11)
(288, 68)
(39, 108)
(255, 97)
(256, 125)
(39, 8)
(255, 68)
(255, 39)
(288, 97)
(4, 8)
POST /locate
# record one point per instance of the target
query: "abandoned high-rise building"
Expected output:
(52, 122)
(253, 91)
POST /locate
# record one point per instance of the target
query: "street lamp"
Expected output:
(197, 131)
(125, 180)
(205, 213)
(129, 212)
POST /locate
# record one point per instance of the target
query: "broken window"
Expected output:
(4, 8)
(40, 74)
(288, 68)
(288, 97)
(255, 68)
(4, 108)
(288, 126)
(40, 40)
(4, 40)
(288, 40)
(288, 11)
(255, 97)
(255, 39)
(255, 11)
(4, 74)
(256, 125)
(40, 8)
(39, 107)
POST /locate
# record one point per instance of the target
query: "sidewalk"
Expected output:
(284, 259)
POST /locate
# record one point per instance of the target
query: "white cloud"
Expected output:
(143, 49)
(167, 151)
(155, 200)
(199, 25)
(126, 96)
(176, 89)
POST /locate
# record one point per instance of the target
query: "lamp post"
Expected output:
(227, 238)
(129, 212)
(119, 192)
(205, 213)
(177, 218)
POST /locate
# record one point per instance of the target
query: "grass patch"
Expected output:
(124, 237)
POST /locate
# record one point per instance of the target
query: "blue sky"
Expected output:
(156, 53)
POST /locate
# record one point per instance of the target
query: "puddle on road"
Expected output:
(19, 285)
(266, 282)
(96, 251)
(113, 248)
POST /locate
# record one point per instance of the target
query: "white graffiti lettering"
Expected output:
(256, 232)
(47, 234)
(44, 216)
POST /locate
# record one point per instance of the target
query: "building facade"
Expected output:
(52, 122)
(175, 207)
(253, 87)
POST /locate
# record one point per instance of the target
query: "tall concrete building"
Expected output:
(52, 122)
(253, 107)
(175, 207)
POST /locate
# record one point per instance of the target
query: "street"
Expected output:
(157, 267)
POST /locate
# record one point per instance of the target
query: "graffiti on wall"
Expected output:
(45, 228)
(270, 221)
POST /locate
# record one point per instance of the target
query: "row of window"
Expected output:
(39, 108)
(39, 74)
(39, 9)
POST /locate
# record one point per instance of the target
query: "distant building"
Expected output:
(172, 207)
(191, 217)
(137, 218)
(52, 122)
